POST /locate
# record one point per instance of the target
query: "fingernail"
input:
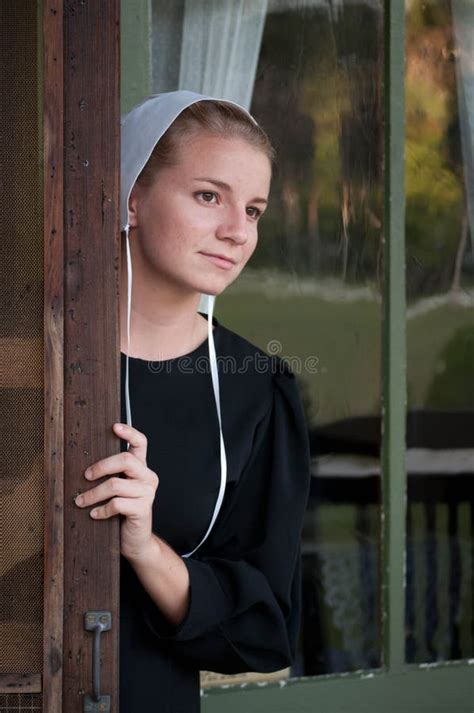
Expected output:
(79, 500)
(88, 473)
(94, 513)
(119, 426)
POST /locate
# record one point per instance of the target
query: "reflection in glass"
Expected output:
(312, 293)
(440, 330)
(311, 72)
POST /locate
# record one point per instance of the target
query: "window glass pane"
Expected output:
(312, 292)
(311, 73)
(440, 329)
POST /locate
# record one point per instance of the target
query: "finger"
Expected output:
(114, 487)
(137, 440)
(120, 463)
(119, 506)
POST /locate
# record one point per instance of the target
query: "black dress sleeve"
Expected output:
(245, 606)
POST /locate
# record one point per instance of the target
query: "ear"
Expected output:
(133, 205)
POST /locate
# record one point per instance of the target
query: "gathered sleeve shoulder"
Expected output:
(245, 581)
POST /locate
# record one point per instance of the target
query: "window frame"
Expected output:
(393, 687)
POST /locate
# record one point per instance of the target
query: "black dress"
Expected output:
(245, 579)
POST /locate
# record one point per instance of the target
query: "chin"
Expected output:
(216, 287)
(207, 290)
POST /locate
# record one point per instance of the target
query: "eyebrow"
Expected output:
(226, 187)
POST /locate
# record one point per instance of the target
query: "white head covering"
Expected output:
(142, 128)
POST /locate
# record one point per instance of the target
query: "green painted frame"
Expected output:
(135, 48)
(396, 687)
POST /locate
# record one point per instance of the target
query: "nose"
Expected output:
(234, 225)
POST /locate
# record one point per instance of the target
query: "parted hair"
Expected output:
(213, 117)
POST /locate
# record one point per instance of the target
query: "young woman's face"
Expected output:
(209, 204)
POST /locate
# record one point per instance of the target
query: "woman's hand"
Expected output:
(131, 497)
(161, 571)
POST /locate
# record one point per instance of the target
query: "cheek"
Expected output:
(187, 231)
(174, 238)
(251, 246)
(247, 254)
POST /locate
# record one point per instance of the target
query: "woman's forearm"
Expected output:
(165, 577)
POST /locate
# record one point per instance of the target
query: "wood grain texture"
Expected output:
(20, 683)
(53, 355)
(91, 332)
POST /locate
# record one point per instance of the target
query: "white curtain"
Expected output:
(335, 7)
(463, 25)
(220, 47)
(207, 46)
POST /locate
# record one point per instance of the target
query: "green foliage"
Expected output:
(434, 206)
(319, 94)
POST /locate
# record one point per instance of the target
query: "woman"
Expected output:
(217, 466)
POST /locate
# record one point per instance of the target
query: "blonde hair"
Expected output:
(212, 116)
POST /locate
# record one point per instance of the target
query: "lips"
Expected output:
(222, 257)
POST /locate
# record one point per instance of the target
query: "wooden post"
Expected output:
(91, 333)
(53, 91)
